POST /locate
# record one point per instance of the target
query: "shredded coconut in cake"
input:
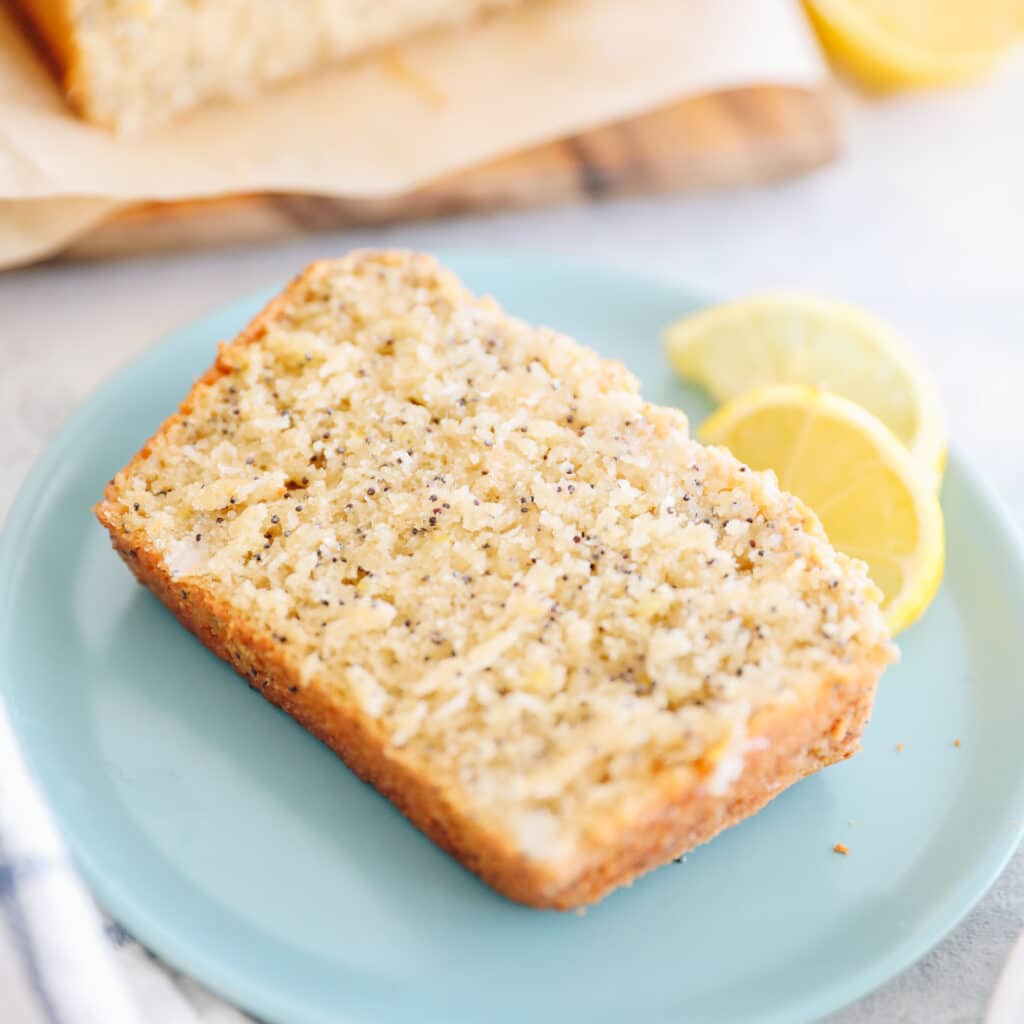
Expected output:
(479, 532)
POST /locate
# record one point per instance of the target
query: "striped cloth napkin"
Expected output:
(61, 960)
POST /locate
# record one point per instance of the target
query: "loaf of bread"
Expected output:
(567, 641)
(127, 64)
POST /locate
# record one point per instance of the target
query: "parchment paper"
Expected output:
(393, 120)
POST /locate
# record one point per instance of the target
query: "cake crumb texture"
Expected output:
(569, 641)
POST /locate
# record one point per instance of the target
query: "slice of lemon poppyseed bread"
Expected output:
(132, 64)
(567, 641)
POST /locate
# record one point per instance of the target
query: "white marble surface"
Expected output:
(922, 221)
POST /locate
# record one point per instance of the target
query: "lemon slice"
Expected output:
(894, 43)
(872, 498)
(781, 338)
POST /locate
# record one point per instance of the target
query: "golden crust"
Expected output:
(785, 744)
(51, 22)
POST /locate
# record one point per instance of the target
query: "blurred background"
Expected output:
(867, 150)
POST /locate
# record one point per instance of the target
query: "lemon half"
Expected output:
(896, 43)
(784, 338)
(872, 498)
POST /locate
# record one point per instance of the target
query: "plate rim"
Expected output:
(247, 990)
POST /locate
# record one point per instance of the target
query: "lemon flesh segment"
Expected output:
(789, 338)
(892, 44)
(874, 501)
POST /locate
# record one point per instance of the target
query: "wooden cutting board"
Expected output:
(727, 139)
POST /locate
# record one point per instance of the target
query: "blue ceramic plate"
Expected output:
(242, 851)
